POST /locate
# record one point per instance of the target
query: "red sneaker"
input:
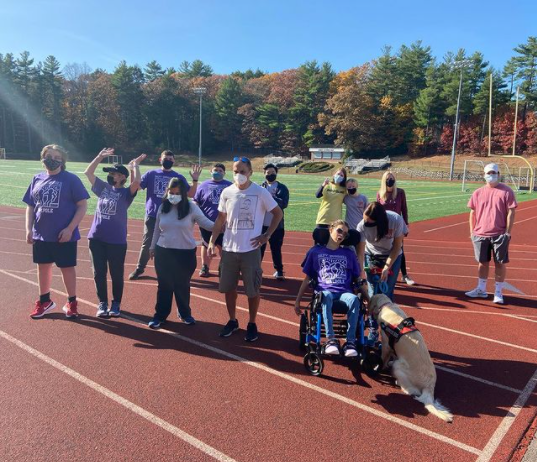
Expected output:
(71, 309)
(42, 308)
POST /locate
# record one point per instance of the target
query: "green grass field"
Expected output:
(426, 199)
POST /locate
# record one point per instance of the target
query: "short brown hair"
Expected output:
(167, 152)
(57, 148)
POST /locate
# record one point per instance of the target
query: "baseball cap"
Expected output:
(117, 168)
(491, 168)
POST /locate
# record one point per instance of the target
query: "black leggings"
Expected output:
(104, 256)
(276, 243)
(403, 263)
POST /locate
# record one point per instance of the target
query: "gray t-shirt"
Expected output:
(396, 228)
(355, 209)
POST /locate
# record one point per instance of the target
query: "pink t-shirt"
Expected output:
(491, 206)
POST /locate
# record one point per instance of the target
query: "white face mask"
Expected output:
(174, 198)
(240, 178)
(338, 179)
(491, 177)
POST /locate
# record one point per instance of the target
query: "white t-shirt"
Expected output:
(245, 211)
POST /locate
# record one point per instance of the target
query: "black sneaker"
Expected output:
(136, 274)
(251, 332)
(204, 271)
(229, 328)
(279, 275)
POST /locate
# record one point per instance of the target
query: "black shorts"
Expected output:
(206, 237)
(64, 254)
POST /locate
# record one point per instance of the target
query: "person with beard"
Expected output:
(155, 183)
(332, 193)
(280, 193)
(108, 233)
(56, 203)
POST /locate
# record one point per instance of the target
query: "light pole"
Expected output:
(459, 64)
(200, 91)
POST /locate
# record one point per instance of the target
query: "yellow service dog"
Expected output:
(412, 368)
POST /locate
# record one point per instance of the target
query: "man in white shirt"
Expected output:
(242, 208)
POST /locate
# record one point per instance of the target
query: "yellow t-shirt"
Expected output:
(331, 208)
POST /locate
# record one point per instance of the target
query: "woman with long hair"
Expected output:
(331, 192)
(174, 249)
(394, 199)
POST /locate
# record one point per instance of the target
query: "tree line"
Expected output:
(403, 101)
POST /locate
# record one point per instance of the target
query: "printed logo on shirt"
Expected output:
(48, 196)
(214, 196)
(108, 203)
(160, 185)
(247, 208)
(332, 268)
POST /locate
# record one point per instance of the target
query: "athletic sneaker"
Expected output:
(136, 274)
(189, 320)
(279, 275)
(102, 310)
(71, 309)
(331, 347)
(477, 293)
(409, 281)
(229, 328)
(498, 298)
(154, 324)
(115, 309)
(251, 332)
(204, 271)
(349, 350)
(41, 309)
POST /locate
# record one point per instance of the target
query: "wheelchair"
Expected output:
(312, 330)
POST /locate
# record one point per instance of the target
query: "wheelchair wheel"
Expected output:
(314, 363)
(372, 363)
(302, 332)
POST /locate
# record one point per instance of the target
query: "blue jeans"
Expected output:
(352, 301)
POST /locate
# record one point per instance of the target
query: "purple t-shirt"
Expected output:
(110, 219)
(156, 182)
(54, 198)
(208, 196)
(333, 269)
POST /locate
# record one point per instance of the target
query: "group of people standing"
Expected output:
(238, 219)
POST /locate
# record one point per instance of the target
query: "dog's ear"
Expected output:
(376, 304)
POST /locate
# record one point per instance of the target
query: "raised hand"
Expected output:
(137, 161)
(195, 172)
(106, 152)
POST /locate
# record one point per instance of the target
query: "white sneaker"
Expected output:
(498, 298)
(477, 293)
(409, 281)
(331, 348)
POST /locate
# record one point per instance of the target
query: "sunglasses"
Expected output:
(242, 159)
(343, 233)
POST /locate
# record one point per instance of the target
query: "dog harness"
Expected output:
(394, 333)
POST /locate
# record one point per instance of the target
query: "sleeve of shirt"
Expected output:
(28, 196)
(400, 228)
(404, 208)
(197, 196)
(156, 232)
(355, 267)
(98, 186)
(130, 196)
(223, 202)
(511, 200)
(319, 192)
(200, 218)
(307, 265)
(378, 197)
(360, 228)
(283, 201)
(366, 201)
(145, 180)
(78, 191)
(471, 202)
(268, 201)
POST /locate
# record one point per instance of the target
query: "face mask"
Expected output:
(369, 225)
(491, 178)
(352, 191)
(174, 198)
(390, 182)
(51, 164)
(240, 178)
(217, 176)
(167, 164)
(110, 180)
(270, 178)
(338, 179)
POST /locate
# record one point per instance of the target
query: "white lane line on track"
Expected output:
(477, 379)
(150, 417)
(282, 375)
(508, 420)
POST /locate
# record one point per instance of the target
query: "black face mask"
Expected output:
(51, 164)
(110, 180)
(167, 164)
(390, 182)
(351, 191)
(270, 178)
(369, 225)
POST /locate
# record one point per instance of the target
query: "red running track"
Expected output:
(97, 389)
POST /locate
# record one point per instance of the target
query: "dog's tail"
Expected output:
(434, 406)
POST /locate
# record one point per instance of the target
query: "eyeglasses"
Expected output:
(242, 159)
(343, 233)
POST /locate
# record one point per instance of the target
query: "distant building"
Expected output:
(326, 153)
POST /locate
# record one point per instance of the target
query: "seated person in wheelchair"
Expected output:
(333, 269)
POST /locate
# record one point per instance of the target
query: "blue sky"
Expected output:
(268, 34)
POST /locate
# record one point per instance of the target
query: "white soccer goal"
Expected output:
(474, 171)
(3, 154)
(115, 159)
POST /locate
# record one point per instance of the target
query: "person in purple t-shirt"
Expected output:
(334, 269)
(108, 233)
(155, 183)
(56, 203)
(207, 197)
